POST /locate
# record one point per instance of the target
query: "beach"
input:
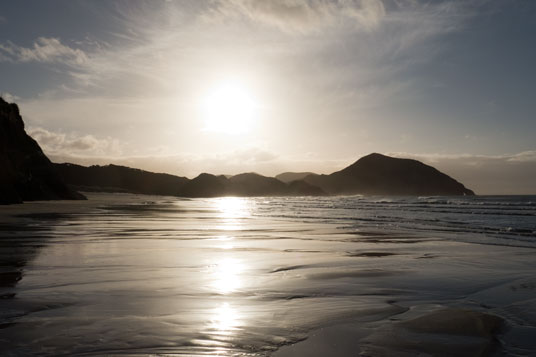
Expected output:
(338, 276)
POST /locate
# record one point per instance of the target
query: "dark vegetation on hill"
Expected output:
(26, 174)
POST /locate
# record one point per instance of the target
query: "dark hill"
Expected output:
(302, 188)
(377, 174)
(288, 177)
(205, 185)
(114, 178)
(26, 174)
(251, 184)
(374, 174)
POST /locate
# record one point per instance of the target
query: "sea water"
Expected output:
(128, 274)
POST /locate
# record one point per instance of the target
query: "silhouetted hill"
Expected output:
(205, 185)
(26, 174)
(374, 174)
(377, 174)
(251, 184)
(113, 178)
(288, 177)
(302, 188)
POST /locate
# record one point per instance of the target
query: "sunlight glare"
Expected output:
(225, 319)
(229, 108)
(232, 210)
(232, 207)
(227, 275)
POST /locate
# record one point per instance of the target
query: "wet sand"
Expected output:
(124, 274)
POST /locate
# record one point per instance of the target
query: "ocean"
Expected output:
(125, 274)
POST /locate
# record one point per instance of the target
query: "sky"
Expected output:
(230, 86)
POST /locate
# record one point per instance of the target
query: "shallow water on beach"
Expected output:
(127, 274)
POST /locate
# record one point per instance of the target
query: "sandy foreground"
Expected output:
(118, 274)
(497, 319)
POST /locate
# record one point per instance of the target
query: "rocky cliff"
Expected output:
(26, 174)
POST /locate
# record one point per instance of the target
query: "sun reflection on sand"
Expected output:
(231, 211)
(225, 319)
(226, 242)
(227, 275)
(226, 270)
(232, 207)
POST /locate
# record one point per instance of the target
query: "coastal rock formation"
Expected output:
(26, 174)
(377, 174)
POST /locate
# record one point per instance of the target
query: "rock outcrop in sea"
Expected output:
(26, 174)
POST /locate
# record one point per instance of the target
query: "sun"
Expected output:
(229, 108)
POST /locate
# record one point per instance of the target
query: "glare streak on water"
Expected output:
(228, 276)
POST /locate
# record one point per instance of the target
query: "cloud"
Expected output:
(8, 97)
(153, 55)
(71, 144)
(45, 50)
(367, 13)
(88, 151)
(301, 15)
(252, 155)
(525, 156)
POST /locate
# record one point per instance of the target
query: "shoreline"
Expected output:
(282, 285)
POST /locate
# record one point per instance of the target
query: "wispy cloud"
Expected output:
(55, 143)
(300, 15)
(8, 97)
(154, 51)
(191, 165)
(44, 49)
(525, 156)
